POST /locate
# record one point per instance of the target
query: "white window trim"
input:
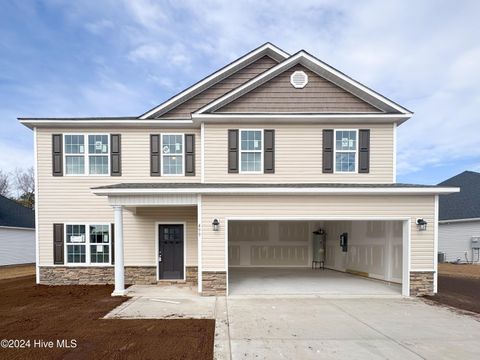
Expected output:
(87, 245)
(335, 171)
(261, 151)
(86, 155)
(182, 154)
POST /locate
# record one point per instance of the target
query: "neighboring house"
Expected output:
(459, 219)
(17, 233)
(236, 171)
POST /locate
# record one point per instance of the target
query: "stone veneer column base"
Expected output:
(93, 275)
(191, 275)
(214, 283)
(421, 283)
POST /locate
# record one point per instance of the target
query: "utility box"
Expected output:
(441, 257)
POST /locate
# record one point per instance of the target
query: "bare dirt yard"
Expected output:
(459, 286)
(8, 272)
(73, 313)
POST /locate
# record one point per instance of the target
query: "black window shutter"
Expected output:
(58, 244)
(115, 155)
(364, 151)
(155, 155)
(233, 151)
(112, 242)
(57, 155)
(189, 154)
(328, 151)
(269, 151)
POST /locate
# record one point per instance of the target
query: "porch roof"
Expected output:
(268, 189)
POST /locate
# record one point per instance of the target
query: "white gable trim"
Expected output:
(322, 69)
(267, 49)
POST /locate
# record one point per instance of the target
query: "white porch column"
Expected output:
(199, 242)
(119, 267)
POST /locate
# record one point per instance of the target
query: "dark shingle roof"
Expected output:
(15, 215)
(466, 203)
(234, 185)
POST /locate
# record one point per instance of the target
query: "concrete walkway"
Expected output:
(315, 327)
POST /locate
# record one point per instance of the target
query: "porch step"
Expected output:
(181, 283)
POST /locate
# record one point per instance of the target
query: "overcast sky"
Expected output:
(108, 58)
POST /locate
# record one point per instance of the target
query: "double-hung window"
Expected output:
(74, 154)
(172, 154)
(86, 154)
(346, 149)
(251, 151)
(98, 154)
(87, 244)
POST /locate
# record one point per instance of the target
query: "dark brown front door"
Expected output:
(170, 251)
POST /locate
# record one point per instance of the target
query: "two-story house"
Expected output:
(232, 177)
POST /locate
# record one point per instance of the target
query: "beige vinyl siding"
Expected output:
(279, 95)
(140, 240)
(69, 198)
(220, 88)
(373, 207)
(298, 154)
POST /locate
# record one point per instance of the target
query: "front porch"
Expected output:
(161, 238)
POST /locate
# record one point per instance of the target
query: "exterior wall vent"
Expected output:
(299, 79)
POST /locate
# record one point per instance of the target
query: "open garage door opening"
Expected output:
(354, 257)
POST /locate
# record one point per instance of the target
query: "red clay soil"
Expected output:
(458, 291)
(35, 312)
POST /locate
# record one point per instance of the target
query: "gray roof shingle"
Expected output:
(15, 215)
(466, 203)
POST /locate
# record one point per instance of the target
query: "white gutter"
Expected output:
(30, 123)
(281, 191)
(307, 117)
(17, 228)
(458, 220)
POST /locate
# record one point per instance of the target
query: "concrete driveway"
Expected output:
(313, 326)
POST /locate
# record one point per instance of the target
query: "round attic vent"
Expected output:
(299, 79)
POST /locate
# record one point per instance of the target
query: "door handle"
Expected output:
(160, 256)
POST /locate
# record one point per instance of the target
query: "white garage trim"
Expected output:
(406, 235)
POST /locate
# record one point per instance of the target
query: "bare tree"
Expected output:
(24, 182)
(4, 183)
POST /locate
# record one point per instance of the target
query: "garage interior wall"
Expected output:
(375, 247)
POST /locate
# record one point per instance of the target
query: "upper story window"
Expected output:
(172, 154)
(87, 244)
(251, 151)
(92, 159)
(346, 148)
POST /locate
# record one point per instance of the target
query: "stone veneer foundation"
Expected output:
(214, 283)
(421, 283)
(92, 275)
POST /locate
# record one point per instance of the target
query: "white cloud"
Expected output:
(98, 27)
(148, 52)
